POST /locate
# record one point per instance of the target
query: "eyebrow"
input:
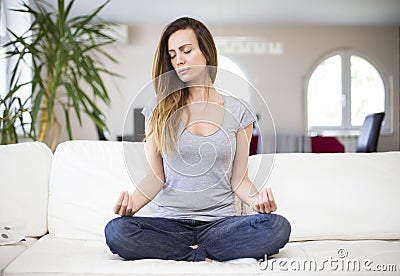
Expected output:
(184, 45)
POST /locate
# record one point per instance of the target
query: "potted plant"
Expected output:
(67, 55)
(13, 115)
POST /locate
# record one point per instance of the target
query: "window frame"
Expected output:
(346, 129)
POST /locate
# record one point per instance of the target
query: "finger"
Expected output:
(260, 202)
(267, 207)
(271, 200)
(254, 205)
(124, 204)
(130, 206)
(119, 203)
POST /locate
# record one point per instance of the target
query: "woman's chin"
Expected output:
(185, 78)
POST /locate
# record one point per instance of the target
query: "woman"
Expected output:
(197, 145)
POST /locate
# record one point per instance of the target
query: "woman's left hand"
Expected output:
(265, 202)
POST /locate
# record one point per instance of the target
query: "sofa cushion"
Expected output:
(55, 256)
(334, 196)
(86, 180)
(25, 170)
(10, 251)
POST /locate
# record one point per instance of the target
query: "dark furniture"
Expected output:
(369, 133)
(138, 128)
(322, 144)
(138, 125)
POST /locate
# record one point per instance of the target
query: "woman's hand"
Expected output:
(124, 205)
(265, 202)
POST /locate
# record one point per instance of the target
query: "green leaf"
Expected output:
(75, 101)
(67, 121)
(68, 9)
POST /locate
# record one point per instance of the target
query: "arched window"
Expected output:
(341, 91)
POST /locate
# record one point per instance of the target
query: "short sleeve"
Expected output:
(147, 111)
(246, 115)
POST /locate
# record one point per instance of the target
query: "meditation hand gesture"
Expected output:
(264, 202)
(124, 205)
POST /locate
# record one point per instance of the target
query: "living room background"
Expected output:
(280, 78)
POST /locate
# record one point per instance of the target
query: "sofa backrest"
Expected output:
(334, 196)
(86, 180)
(24, 176)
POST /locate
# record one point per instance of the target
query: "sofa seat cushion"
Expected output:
(55, 256)
(10, 251)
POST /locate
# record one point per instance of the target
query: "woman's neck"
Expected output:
(203, 94)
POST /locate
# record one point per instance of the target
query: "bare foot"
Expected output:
(195, 246)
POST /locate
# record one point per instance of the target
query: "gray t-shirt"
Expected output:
(198, 173)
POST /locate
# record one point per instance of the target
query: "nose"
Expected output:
(179, 59)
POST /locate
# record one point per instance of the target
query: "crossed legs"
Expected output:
(229, 238)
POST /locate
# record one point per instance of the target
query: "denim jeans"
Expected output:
(229, 238)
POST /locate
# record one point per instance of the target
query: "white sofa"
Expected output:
(343, 209)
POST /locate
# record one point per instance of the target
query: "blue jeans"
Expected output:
(229, 238)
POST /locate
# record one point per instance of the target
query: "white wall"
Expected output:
(279, 78)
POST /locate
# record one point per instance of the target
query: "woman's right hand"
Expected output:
(124, 205)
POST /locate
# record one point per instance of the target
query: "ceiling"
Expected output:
(282, 12)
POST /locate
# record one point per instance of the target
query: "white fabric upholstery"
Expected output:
(334, 196)
(335, 203)
(52, 256)
(86, 180)
(25, 170)
(11, 251)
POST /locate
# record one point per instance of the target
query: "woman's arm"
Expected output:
(262, 201)
(128, 204)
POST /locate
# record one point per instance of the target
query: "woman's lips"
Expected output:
(183, 71)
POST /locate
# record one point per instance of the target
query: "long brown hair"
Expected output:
(172, 94)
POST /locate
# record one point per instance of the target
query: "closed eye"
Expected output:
(171, 53)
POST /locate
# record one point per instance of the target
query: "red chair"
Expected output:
(322, 144)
